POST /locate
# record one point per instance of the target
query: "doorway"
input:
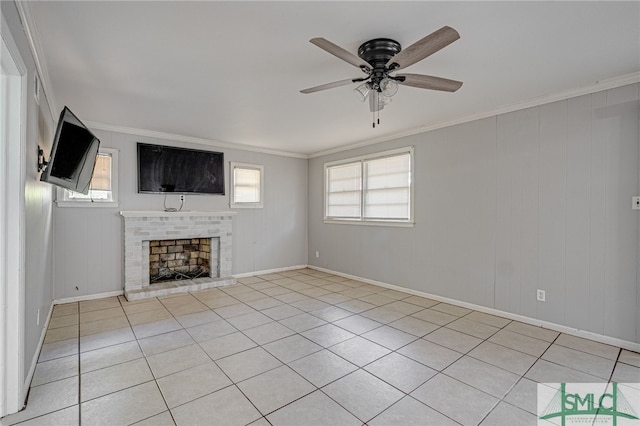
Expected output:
(12, 177)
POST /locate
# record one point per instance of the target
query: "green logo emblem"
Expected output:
(585, 402)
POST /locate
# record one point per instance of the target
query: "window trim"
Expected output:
(363, 220)
(232, 183)
(62, 194)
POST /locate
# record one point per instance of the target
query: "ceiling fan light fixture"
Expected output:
(362, 91)
(388, 87)
(380, 58)
(384, 100)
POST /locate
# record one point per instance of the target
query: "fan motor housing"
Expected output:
(377, 52)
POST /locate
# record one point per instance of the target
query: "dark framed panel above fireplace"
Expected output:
(167, 169)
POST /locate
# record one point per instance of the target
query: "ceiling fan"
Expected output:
(380, 58)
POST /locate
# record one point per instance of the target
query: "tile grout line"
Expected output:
(146, 360)
(79, 371)
(502, 399)
(291, 287)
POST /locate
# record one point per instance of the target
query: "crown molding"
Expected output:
(596, 86)
(31, 32)
(190, 139)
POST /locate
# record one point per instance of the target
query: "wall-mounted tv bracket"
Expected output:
(42, 163)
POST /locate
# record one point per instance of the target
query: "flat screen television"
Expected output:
(73, 154)
(163, 169)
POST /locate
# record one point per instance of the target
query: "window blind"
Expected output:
(101, 180)
(370, 188)
(344, 191)
(387, 188)
(246, 185)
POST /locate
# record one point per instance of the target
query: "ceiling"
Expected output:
(231, 72)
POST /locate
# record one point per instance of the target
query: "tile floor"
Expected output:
(301, 348)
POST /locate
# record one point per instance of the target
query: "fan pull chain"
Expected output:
(373, 116)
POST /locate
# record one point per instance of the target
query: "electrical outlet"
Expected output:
(635, 203)
(540, 295)
(182, 197)
(317, 253)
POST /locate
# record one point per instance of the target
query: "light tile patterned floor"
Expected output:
(301, 348)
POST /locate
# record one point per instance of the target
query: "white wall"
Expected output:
(37, 218)
(88, 241)
(534, 199)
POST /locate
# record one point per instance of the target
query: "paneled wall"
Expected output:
(38, 217)
(534, 199)
(88, 241)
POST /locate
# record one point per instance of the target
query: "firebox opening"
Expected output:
(174, 260)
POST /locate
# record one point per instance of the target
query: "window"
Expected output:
(247, 185)
(371, 189)
(103, 189)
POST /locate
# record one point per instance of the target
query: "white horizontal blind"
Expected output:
(387, 188)
(246, 185)
(101, 179)
(344, 191)
(372, 189)
(100, 185)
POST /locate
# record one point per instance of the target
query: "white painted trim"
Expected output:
(32, 35)
(373, 156)
(183, 213)
(31, 32)
(85, 204)
(190, 139)
(268, 271)
(87, 297)
(596, 86)
(22, 232)
(62, 194)
(232, 185)
(398, 224)
(625, 344)
(12, 391)
(362, 159)
(36, 355)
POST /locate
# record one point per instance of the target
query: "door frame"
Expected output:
(13, 111)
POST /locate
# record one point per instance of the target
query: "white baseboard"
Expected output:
(121, 292)
(625, 344)
(268, 271)
(88, 297)
(36, 355)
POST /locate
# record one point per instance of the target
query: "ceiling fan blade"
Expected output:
(339, 52)
(330, 85)
(429, 82)
(374, 101)
(424, 47)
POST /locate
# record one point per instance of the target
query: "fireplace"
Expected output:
(174, 260)
(174, 252)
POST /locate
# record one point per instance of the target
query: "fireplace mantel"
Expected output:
(140, 227)
(183, 213)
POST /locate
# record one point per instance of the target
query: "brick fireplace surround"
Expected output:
(140, 227)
